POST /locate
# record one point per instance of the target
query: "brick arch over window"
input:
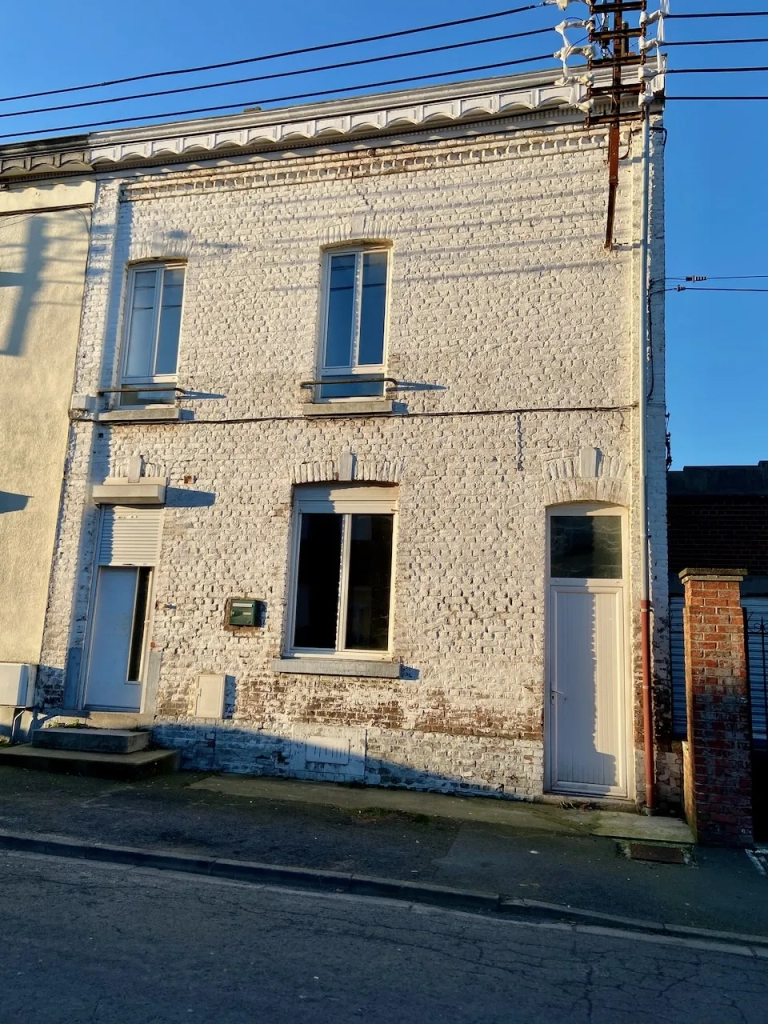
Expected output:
(590, 475)
(347, 467)
(359, 229)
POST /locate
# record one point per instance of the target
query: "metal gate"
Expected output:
(756, 642)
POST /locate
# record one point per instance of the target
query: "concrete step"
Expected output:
(97, 741)
(121, 767)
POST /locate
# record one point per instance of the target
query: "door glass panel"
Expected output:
(139, 625)
(317, 589)
(338, 341)
(586, 547)
(370, 580)
(374, 298)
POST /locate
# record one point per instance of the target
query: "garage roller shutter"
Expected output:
(130, 536)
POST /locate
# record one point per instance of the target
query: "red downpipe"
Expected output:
(645, 647)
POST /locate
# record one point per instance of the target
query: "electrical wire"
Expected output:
(278, 99)
(720, 14)
(685, 288)
(732, 277)
(276, 74)
(708, 42)
(278, 56)
(701, 71)
(667, 99)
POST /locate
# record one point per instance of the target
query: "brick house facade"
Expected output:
(505, 394)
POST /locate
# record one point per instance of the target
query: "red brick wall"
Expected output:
(717, 755)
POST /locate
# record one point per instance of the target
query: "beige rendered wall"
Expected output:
(44, 232)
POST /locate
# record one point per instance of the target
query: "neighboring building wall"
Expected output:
(502, 299)
(718, 516)
(43, 252)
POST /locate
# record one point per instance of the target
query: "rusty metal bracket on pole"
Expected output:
(616, 40)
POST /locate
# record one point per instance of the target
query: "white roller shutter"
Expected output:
(130, 536)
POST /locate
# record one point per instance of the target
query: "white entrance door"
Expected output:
(117, 639)
(587, 720)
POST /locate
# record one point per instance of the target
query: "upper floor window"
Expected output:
(354, 323)
(153, 319)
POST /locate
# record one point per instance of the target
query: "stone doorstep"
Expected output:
(104, 741)
(120, 767)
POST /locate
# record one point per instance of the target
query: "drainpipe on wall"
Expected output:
(645, 603)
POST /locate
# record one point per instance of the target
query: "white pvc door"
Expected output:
(587, 703)
(587, 723)
(115, 633)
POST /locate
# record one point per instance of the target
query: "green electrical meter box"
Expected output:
(243, 611)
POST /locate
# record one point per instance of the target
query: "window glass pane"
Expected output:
(355, 389)
(141, 338)
(370, 581)
(586, 547)
(338, 339)
(317, 589)
(374, 298)
(170, 320)
(140, 397)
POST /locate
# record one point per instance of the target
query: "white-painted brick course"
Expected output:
(515, 334)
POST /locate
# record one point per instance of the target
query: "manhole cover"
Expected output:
(657, 853)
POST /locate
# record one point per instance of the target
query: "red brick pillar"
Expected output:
(717, 759)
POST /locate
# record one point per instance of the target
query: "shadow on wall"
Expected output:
(337, 755)
(10, 502)
(27, 285)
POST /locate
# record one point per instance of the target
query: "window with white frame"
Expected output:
(341, 594)
(152, 324)
(354, 322)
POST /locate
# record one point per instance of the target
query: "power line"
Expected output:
(732, 277)
(701, 71)
(709, 42)
(685, 288)
(276, 56)
(277, 74)
(278, 99)
(721, 14)
(744, 99)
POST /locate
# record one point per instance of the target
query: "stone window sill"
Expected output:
(367, 408)
(154, 414)
(336, 667)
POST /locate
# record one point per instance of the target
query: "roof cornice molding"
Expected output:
(336, 123)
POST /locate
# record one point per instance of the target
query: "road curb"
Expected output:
(257, 873)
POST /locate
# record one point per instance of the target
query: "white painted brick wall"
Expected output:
(503, 298)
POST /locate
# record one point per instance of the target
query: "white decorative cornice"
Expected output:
(331, 123)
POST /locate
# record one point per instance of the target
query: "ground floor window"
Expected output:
(342, 570)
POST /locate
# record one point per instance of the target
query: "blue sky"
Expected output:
(717, 216)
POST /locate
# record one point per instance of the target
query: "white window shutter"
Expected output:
(130, 536)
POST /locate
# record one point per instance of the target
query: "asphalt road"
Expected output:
(102, 943)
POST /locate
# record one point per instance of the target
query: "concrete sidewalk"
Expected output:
(542, 852)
